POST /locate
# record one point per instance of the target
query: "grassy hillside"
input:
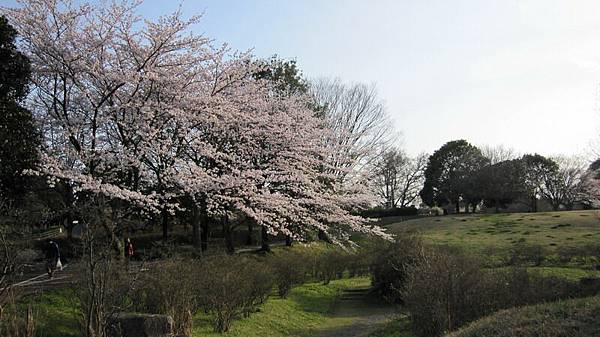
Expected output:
(550, 230)
(501, 230)
(575, 318)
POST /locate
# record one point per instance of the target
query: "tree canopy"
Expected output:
(19, 138)
(449, 173)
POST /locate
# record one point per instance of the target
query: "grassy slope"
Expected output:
(492, 235)
(503, 230)
(497, 233)
(574, 318)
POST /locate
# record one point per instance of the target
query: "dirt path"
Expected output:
(358, 314)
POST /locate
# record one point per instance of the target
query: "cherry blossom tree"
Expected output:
(146, 114)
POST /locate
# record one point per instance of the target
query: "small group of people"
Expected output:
(53, 261)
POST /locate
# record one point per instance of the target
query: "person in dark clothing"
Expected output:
(52, 258)
(128, 249)
(128, 252)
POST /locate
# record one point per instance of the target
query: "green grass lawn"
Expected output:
(306, 310)
(55, 313)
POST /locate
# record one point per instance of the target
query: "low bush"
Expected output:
(332, 264)
(527, 254)
(233, 286)
(380, 212)
(446, 291)
(391, 265)
(290, 268)
(171, 288)
(225, 287)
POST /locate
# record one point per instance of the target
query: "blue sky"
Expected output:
(525, 74)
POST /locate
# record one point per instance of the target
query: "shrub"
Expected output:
(446, 291)
(391, 264)
(171, 288)
(441, 293)
(232, 286)
(226, 287)
(332, 264)
(289, 268)
(523, 253)
(379, 212)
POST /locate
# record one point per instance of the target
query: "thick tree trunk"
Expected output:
(196, 230)
(205, 232)
(264, 240)
(69, 224)
(457, 207)
(165, 224)
(323, 236)
(228, 235)
(249, 239)
(288, 240)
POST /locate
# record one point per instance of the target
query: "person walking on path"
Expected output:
(128, 249)
(52, 258)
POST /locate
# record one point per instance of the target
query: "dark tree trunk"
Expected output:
(323, 236)
(249, 239)
(204, 233)
(264, 240)
(196, 230)
(457, 207)
(288, 240)
(69, 224)
(165, 224)
(497, 204)
(228, 234)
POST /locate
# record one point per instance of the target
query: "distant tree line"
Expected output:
(461, 174)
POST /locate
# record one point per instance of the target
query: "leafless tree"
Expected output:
(399, 178)
(412, 176)
(386, 174)
(568, 185)
(497, 154)
(357, 117)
